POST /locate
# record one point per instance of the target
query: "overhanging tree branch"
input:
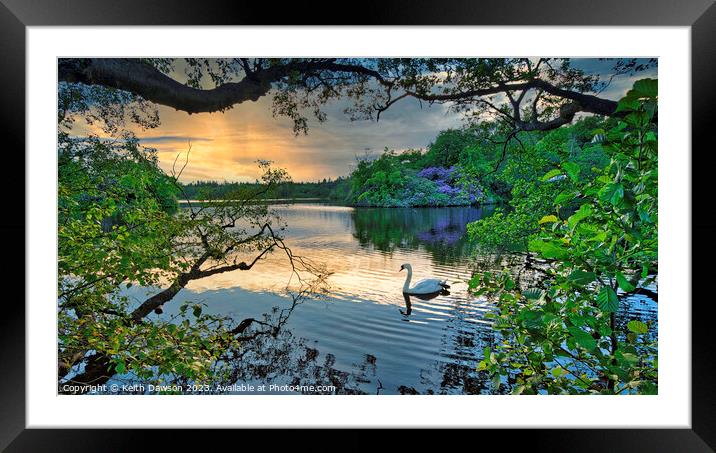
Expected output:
(144, 80)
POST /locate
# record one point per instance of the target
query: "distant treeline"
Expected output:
(327, 189)
(481, 164)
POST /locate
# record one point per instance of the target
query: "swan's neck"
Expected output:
(406, 286)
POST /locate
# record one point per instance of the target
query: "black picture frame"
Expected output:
(700, 15)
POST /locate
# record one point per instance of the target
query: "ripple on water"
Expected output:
(434, 346)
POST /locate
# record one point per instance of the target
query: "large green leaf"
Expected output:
(565, 196)
(607, 300)
(533, 293)
(548, 249)
(645, 88)
(647, 388)
(637, 327)
(583, 338)
(624, 283)
(612, 192)
(572, 170)
(583, 212)
(627, 105)
(120, 367)
(581, 277)
(551, 174)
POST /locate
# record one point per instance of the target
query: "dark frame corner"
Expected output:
(700, 15)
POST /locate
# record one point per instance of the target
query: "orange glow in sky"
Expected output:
(226, 145)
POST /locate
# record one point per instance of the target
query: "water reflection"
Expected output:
(363, 248)
(409, 305)
(439, 231)
(367, 336)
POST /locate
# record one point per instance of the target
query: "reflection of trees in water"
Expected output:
(440, 231)
(457, 375)
(462, 343)
(308, 216)
(467, 340)
(268, 353)
(286, 359)
(281, 358)
(525, 269)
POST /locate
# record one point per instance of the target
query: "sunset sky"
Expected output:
(225, 146)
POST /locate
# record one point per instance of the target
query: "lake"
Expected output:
(365, 336)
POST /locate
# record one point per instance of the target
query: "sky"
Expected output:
(226, 145)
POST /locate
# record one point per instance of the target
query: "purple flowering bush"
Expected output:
(450, 190)
(388, 182)
(438, 174)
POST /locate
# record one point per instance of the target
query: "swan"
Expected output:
(426, 286)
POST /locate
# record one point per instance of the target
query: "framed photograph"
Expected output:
(452, 217)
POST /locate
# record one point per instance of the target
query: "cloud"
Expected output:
(232, 141)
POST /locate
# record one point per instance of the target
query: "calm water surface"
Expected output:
(366, 334)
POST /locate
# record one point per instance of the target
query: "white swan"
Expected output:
(426, 286)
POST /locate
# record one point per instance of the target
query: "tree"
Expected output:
(449, 145)
(530, 94)
(118, 226)
(562, 335)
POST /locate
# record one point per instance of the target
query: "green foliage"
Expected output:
(119, 225)
(567, 340)
(108, 108)
(539, 170)
(493, 165)
(400, 180)
(449, 147)
(114, 206)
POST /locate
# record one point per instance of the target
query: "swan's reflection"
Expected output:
(409, 305)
